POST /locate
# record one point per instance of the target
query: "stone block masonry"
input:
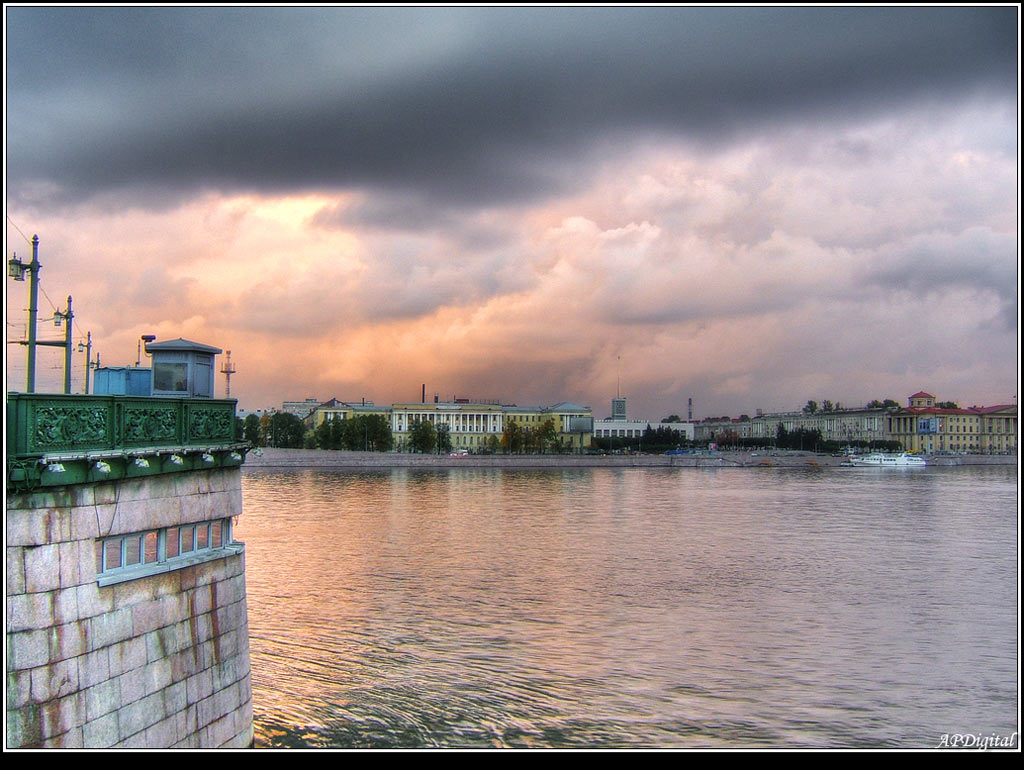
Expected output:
(157, 661)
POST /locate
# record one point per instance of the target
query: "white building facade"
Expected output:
(635, 429)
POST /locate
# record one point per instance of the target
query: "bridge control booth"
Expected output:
(182, 369)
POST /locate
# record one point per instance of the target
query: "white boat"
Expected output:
(879, 460)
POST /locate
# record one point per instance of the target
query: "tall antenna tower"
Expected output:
(618, 403)
(228, 369)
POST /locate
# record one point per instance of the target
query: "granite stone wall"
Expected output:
(152, 662)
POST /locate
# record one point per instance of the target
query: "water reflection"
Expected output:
(631, 607)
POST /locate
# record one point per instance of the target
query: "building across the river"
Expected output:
(472, 426)
(300, 409)
(921, 426)
(620, 426)
(924, 426)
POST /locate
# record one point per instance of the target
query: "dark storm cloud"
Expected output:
(975, 261)
(404, 213)
(466, 105)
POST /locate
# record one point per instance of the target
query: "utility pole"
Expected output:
(59, 316)
(33, 308)
(87, 347)
(16, 269)
(67, 348)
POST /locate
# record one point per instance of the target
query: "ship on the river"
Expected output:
(882, 460)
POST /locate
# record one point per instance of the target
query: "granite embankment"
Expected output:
(319, 458)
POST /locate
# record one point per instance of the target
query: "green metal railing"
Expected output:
(66, 439)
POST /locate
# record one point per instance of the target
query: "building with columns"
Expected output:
(923, 426)
(471, 425)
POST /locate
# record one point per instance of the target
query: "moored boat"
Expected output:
(880, 460)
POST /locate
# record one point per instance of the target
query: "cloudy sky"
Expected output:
(752, 207)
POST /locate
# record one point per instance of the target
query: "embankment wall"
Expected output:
(318, 458)
(156, 661)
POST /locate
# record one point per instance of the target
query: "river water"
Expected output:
(635, 608)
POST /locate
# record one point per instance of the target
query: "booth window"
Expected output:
(170, 377)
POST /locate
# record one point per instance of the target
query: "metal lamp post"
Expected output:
(89, 363)
(58, 317)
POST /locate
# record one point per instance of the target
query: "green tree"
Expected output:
(337, 434)
(887, 404)
(366, 433)
(547, 437)
(512, 440)
(251, 430)
(672, 418)
(328, 434)
(811, 407)
(444, 439)
(422, 436)
(827, 406)
(378, 432)
(286, 430)
(800, 438)
(322, 434)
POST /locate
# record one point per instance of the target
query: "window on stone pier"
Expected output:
(159, 550)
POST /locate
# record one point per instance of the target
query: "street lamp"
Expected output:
(58, 317)
(16, 269)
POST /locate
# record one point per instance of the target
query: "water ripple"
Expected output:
(633, 608)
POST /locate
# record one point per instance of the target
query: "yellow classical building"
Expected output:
(471, 426)
(925, 427)
(343, 410)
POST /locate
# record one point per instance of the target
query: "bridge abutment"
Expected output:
(126, 605)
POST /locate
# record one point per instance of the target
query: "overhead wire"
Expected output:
(12, 366)
(80, 337)
(12, 224)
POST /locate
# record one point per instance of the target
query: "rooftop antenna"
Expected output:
(618, 376)
(227, 370)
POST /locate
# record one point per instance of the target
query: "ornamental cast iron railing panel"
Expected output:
(45, 424)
